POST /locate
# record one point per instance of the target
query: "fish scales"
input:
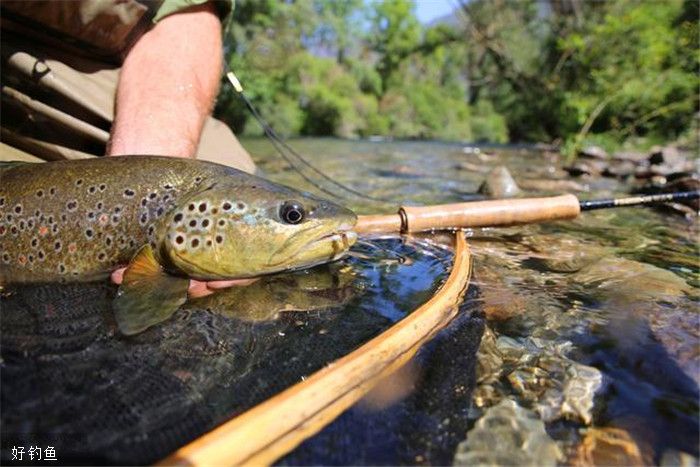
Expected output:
(79, 220)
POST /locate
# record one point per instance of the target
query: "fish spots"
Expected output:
(241, 206)
(35, 242)
(179, 239)
(61, 268)
(221, 222)
(144, 202)
(2, 230)
(52, 191)
(43, 230)
(103, 187)
(205, 223)
(152, 195)
(6, 258)
(72, 248)
(2, 202)
(72, 205)
(102, 256)
(79, 182)
(57, 246)
(219, 239)
(129, 193)
(209, 242)
(226, 206)
(92, 189)
(40, 193)
(143, 219)
(18, 209)
(193, 223)
(89, 233)
(195, 243)
(40, 255)
(168, 186)
(178, 217)
(22, 260)
(103, 219)
(202, 207)
(160, 211)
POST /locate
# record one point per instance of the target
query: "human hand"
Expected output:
(197, 288)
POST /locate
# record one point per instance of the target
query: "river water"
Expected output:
(577, 341)
(592, 337)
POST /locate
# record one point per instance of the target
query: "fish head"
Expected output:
(251, 228)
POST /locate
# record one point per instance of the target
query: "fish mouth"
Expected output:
(328, 247)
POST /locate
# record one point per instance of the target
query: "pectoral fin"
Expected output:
(147, 295)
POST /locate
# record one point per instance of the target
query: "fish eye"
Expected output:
(291, 212)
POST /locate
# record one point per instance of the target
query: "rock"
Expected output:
(499, 183)
(508, 434)
(558, 253)
(631, 156)
(579, 391)
(593, 152)
(590, 167)
(541, 184)
(631, 281)
(573, 395)
(665, 155)
(499, 301)
(607, 446)
(620, 169)
(674, 458)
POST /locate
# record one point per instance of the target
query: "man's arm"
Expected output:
(168, 84)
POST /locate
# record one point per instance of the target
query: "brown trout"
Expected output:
(169, 219)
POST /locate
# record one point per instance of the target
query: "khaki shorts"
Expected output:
(58, 106)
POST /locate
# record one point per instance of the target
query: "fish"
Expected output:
(319, 288)
(167, 219)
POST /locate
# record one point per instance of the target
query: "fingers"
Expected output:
(118, 276)
(202, 289)
(197, 288)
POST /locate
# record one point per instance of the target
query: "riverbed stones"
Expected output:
(499, 183)
(607, 446)
(508, 434)
(594, 152)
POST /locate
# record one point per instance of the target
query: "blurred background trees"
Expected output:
(564, 71)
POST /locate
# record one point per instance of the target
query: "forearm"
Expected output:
(167, 86)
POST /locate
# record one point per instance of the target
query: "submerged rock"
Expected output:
(508, 434)
(674, 458)
(607, 446)
(624, 280)
(499, 183)
(574, 401)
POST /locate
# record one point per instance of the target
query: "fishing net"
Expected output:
(71, 381)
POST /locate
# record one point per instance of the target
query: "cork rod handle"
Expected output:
(490, 213)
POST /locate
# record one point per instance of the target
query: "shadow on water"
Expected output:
(72, 382)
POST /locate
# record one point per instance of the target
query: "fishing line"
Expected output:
(279, 143)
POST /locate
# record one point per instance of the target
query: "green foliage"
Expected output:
(527, 70)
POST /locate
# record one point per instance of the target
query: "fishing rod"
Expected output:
(489, 213)
(501, 212)
(281, 146)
